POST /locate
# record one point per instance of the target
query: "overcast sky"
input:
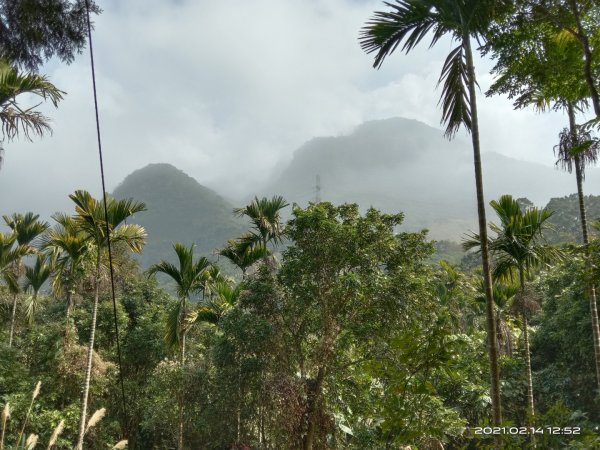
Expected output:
(227, 90)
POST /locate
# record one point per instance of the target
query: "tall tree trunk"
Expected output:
(530, 406)
(181, 399)
(13, 319)
(485, 256)
(326, 349)
(68, 316)
(90, 357)
(499, 337)
(584, 231)
(314, 397)
(180, 417)
(587, 57)
(239, 403)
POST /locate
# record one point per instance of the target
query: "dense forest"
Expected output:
(327, 326)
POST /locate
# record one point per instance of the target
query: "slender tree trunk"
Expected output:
(485, 257)
(584, 231)
(90, 357)
(68, 316)
(530, 406)
(181, 416)
(239, 403)
(587, 57)
(182, 387)
(13, 319)
(499, 336)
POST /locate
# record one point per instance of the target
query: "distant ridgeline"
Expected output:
(405, 165)
(181, 209)
(393, 165)
(566, 222)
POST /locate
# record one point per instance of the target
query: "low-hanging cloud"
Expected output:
(227, 91)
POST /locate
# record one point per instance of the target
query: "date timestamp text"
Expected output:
(527, 430)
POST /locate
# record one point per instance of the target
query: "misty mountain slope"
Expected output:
(178, 209)
(404, 165)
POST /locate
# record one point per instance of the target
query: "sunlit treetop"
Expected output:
(537, 64)
(539, 55)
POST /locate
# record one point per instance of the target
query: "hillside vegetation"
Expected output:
(179, 209)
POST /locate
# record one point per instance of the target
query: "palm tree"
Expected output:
(35, 277)
(190, 277)
(243, 253)
(518, 246)
(576, 150)
(408, 22)
(504, 294)
(226, 297)
(67, 246)
(265, 217)
(102, 223)
(15, 119)
(540, 66)
(26, 228)
(10, 257)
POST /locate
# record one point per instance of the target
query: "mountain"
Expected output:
(178, 209)
(404, 165)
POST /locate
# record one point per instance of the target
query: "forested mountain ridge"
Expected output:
(404, 165)
(179, 209)
(395, 165)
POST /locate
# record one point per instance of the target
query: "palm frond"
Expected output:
(265, 216)
(471, 241)
(120, 210)
(518, 244)
(32, 305)
(209, 314)
(190, 276)
(455, 98)
(576, 148)
(407, 23)
(26, 227)
(15, 119)
(37, 275)
(132, 235)
(167, 268)
(172, 327)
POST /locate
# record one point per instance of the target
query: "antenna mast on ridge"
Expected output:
(318, 190)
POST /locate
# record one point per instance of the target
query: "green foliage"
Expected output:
(265, 217)
(562, 348)
(447, 251)
(16, 119)
(518, 244)
(64, 30)
(566, 222)
(352, 339)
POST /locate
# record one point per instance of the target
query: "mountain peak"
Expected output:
(179, 209)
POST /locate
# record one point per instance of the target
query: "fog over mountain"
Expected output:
(394, 164)
(404, 165)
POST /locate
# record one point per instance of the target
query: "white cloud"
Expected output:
(228, 90)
